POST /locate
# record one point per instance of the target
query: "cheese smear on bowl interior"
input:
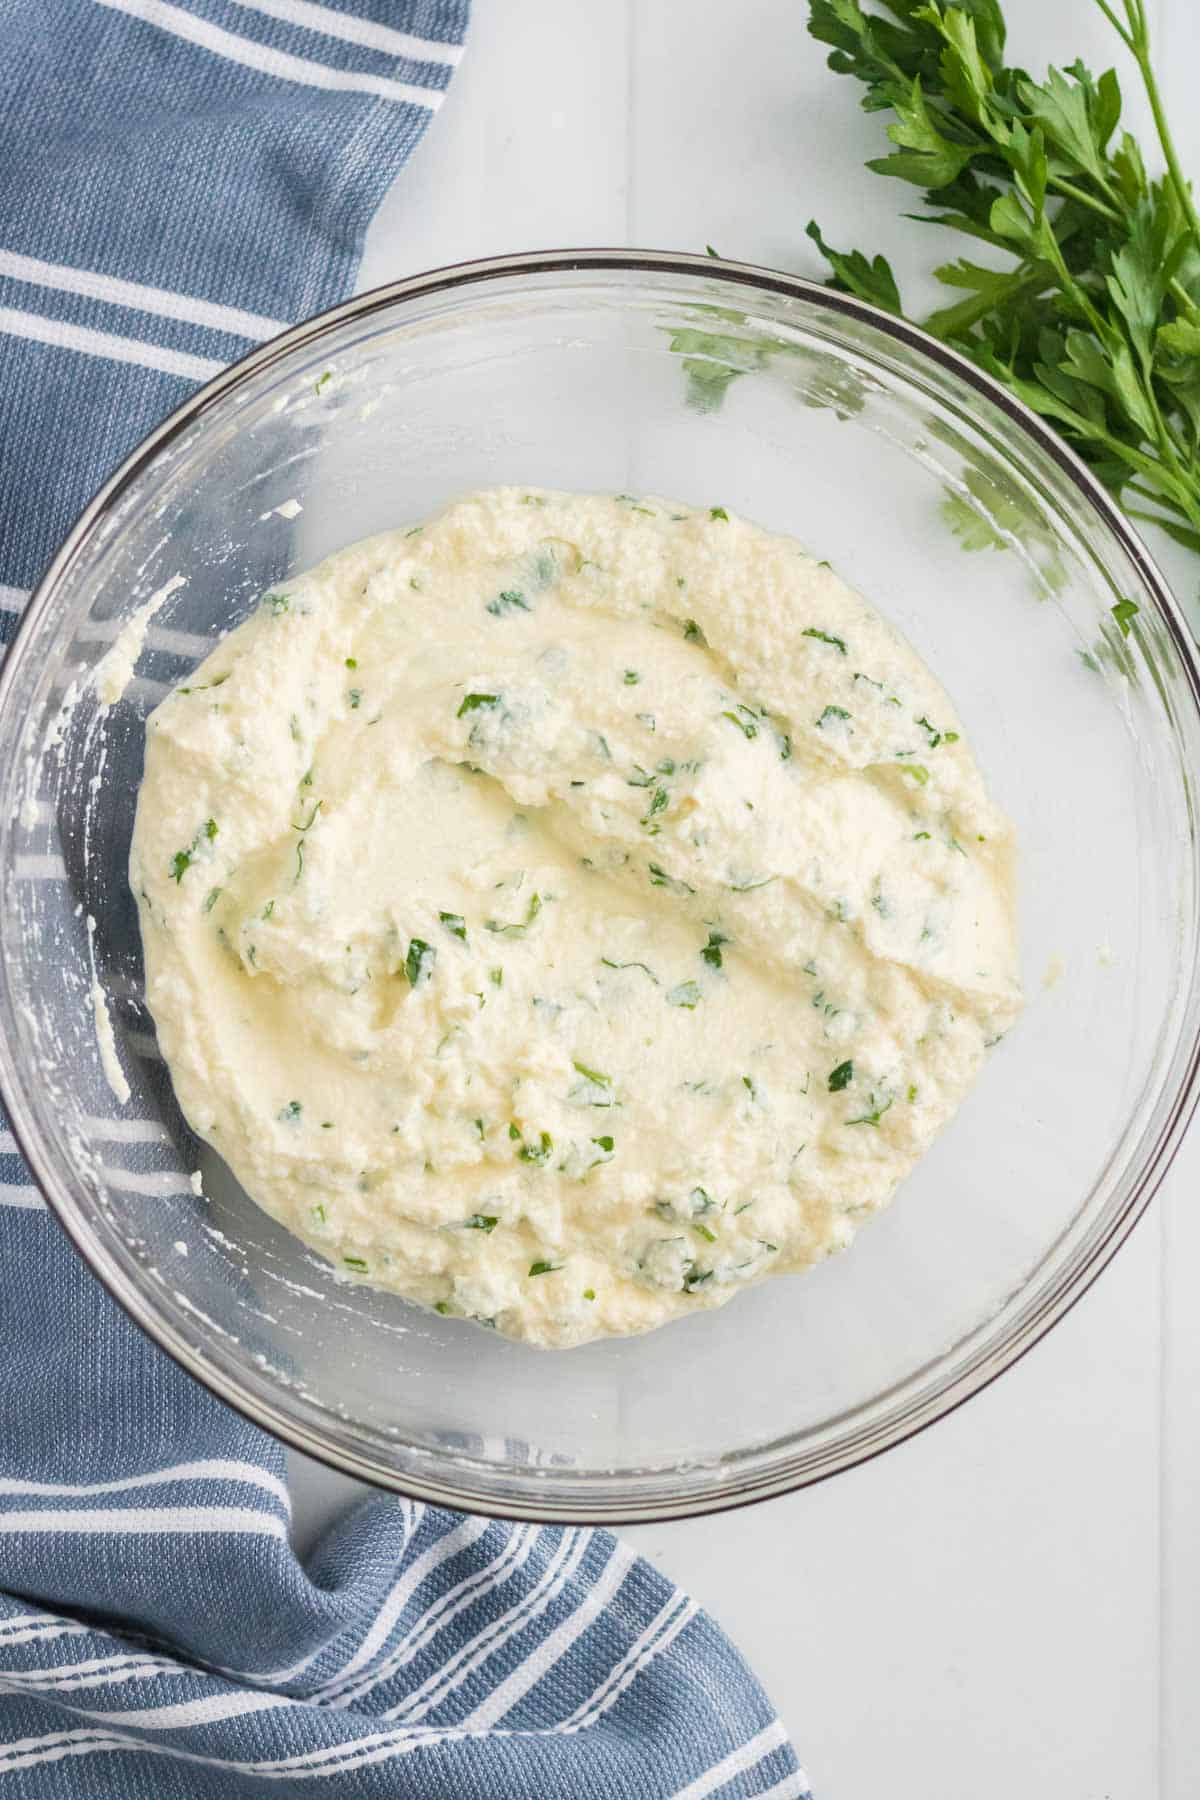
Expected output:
(570, 911)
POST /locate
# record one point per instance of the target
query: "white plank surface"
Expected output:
(1009, 1605)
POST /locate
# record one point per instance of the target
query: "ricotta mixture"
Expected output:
(570, 911)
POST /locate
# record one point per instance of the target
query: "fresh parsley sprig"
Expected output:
(1095, 322)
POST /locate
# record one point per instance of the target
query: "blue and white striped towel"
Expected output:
(179, 177)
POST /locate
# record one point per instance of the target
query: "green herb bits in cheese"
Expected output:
(622, 936)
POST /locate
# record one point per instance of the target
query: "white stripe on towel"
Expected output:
(106, 343)
(25, 1199)
(93, 286)
(506, 1694)
(211, 1469)
(267, 61)
(119, 1521)
(127, 1131)
(367, 32)
(736, 1763)
(31, 867)
(158, 1184)
(493, 1636)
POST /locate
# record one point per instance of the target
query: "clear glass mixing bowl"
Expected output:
(881, 451)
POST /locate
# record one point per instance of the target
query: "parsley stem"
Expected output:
(1139, 45)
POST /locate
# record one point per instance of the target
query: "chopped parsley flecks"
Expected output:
(1125, 612)
(211, 898)
(277, 603)
(317, 1214)
(354, 696)
(833, 715)
(718, 512)
(608, 963)
(825, 637)
(182, 860)
(712, 951)
(290, 1113)
(841, 1077)
(419, 963)
(496, 977)
(692, 633)
(509, 600)
(918, 771)
(592, 1075)
(482, 1222)
(686, 994)
(919, 835)
(357, 1263)
(538, 1153)
(875, 1114)
(631, 678)
(660, 878)
(659, 800)
(745, 720)
(474, 702)
(547, 1268)
(589, 1293)
(516, 930)
(751, 882)
(455, 924)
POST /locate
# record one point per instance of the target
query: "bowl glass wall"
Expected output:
(811, 415)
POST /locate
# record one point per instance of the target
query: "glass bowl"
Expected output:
(950, 507)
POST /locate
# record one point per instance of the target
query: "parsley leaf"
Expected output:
(711, 952)
(1093, 318)
(841, 1077)
(824, 637)
(418, 964)
(473, 702)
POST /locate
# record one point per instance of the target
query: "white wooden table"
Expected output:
(1010, 1605)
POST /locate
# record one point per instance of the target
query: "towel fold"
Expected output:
(180, 179)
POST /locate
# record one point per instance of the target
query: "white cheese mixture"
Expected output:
(570, 911)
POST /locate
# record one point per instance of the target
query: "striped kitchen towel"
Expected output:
(177, 179)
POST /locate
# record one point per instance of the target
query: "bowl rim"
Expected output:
(1068, 1288)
